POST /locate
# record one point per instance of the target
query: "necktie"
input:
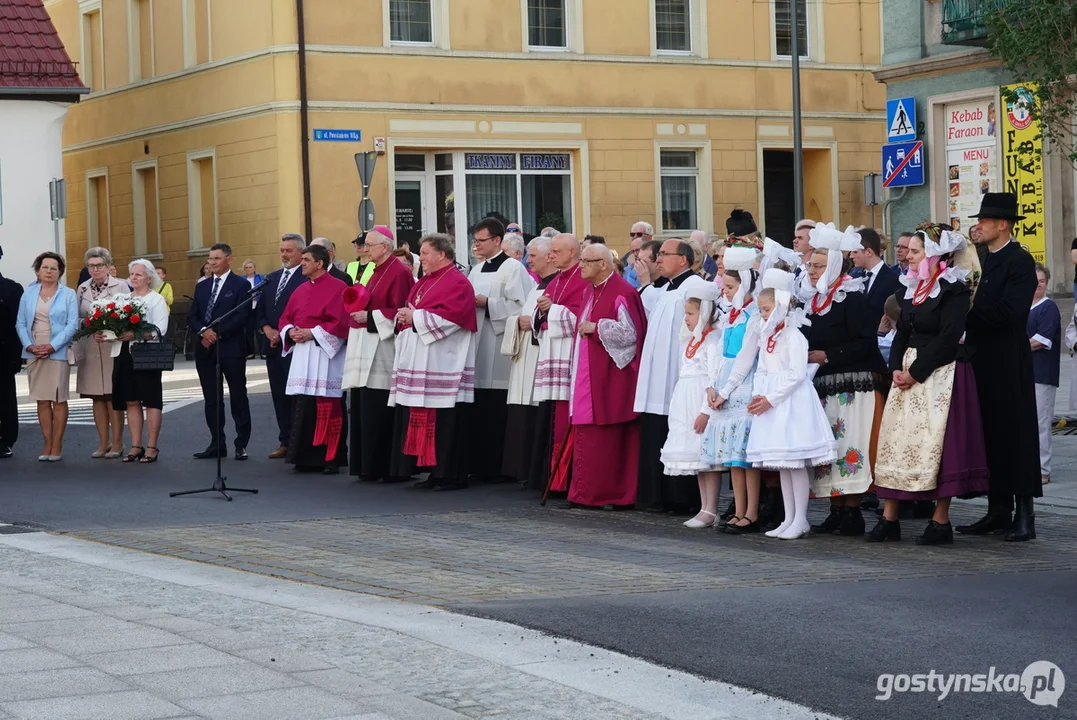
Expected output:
(867, 284)
(281, 285)
(212, 299)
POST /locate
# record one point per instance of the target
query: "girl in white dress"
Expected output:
(689, 413)
(730, 391)
(790, 432)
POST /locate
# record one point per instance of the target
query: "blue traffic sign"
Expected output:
(338, 135)
(901, 119)
(903, 164)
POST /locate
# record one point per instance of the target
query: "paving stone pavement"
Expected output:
(524, 554)
(94, 632)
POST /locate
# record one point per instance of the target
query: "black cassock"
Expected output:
(1002, 361)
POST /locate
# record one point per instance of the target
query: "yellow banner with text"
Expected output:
(1022, 174)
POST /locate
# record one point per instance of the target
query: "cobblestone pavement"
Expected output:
(527, 554)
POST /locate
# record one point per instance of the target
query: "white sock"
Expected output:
(788, 502)
(798, 481)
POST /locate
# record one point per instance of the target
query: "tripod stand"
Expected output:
(219, 485)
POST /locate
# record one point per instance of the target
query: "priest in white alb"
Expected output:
(314, 332)
(522, 349)
(433, 382)
(659, 368)
(501, 285)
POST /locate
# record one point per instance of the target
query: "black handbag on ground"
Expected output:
(159, 355)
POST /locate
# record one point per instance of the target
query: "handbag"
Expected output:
(159, 355)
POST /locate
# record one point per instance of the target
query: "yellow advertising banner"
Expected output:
(1022, 173)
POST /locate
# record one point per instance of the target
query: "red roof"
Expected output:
(31, 53)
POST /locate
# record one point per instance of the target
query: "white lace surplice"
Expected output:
(525, 361)
(317, 366)
(435, 364)
(368, 361)
(553, 372)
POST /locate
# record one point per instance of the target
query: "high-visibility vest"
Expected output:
(353, 272)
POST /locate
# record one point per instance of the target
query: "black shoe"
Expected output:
(428, 484)
(870, 501)
(923, 509)
(885, 530)
(392, 480)
(447, 486)
(937, 534)
(752, 527)
(989, 523)
(1024, 521)
(852, 523)
(729, 511)
(210, 452)
(328, 470)
(241, 453)
(832, 521)
(5, 452)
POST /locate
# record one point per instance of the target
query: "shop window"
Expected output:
(409, 162)
(546, 24)
(673, 25)
(783, 23)
(411, 22)
(679, 175)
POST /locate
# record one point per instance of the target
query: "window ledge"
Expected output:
(150, 256)
(408, 43)
(200, 252)
(547, 49)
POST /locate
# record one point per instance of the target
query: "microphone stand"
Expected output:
(219, 485)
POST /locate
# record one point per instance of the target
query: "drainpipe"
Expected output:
(304, 125)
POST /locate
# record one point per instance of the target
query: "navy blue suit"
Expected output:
(885, 283)
(232, 345)
(268, 312)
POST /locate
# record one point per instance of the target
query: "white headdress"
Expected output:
(949, 242)
(741, 260)
(781, 282)
(834, 242)
(774, 252)
(707, 295)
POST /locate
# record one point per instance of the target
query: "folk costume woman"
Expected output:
(726, 439)
(931, 442)
(689, 413)
(790, 432)
(842, 340)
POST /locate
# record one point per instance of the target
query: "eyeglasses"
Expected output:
(592, 260)
(96, 266)
(662, 253)
(817, 266)
(636, 234)
(481, 239)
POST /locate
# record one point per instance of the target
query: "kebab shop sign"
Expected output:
(970, 123)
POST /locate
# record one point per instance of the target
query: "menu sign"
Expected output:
(971, 159)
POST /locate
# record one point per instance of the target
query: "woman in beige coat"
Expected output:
(94, 355)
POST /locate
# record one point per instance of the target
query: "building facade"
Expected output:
(936, 52)
(586, 115)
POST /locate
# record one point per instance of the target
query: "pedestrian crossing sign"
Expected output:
(901, 119)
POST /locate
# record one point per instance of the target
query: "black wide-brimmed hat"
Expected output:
(998, 206)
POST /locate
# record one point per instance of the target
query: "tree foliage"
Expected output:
(1036, 41)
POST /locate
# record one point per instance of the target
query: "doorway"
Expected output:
(778, 220)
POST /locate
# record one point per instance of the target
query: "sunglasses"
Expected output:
(635, 234)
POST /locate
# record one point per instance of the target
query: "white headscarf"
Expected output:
(835, 243)
(708, 298)
(781, 282)
(741, 260)
(949, 242)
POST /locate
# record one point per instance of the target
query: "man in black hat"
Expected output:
(1002, 361)
(10, 363)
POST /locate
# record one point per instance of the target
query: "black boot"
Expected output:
(937, 534)
(1024, 521)
(997, 518)
(852, 523)
(885, 530)
(771, 509)
(870, 501)
(832, 521)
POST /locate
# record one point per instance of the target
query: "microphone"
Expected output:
(260, 285)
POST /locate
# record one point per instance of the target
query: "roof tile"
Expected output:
(31, 52)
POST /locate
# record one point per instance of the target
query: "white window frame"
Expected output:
(814, 30)
(134, 41)
(697, 31)
(704, 184)
(190, 33)
(93, 220)
(573, 29)
(197, 244)
(439, 27)
(89, 7)
(138, 192)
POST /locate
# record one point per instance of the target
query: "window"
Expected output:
(146, 208)
(546, 24)
(673, 25)
(93, 59)
(202, 198)
(140, 38)
(679, 202)
(783, 39)
(411, 21)
(197, 32)
(98, 220)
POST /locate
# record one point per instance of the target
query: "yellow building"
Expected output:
(584, 114)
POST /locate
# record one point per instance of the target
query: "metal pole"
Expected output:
(798, 147)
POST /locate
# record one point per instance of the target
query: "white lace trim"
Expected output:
(618, 337)
(848, 285)
(952, 274)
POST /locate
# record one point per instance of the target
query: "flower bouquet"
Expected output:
(114, 316)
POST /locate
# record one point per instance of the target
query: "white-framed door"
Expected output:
(411, 193)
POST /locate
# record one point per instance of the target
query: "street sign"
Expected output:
(323, 135)
(903, 164)
(873, 189)
(365, 163)
(58, 199)
(901, 119)
(366, 215)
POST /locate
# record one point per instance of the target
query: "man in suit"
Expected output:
(279, 287)
(10, 363)
(215, 297)
(881, 280)
(334, 271)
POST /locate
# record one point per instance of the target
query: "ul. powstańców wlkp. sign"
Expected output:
(1022, 172)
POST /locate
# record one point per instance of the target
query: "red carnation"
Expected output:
(88, 322)
(110, 306)
(113, 315)
(135, 319)
(127, 308)
(97, 313)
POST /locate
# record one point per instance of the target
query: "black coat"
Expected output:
(1002, 360)
(235, 291)
(848, 336)
(934, 329)
(10, 345)
(885, 284)
(341, 275)
(270, 307)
